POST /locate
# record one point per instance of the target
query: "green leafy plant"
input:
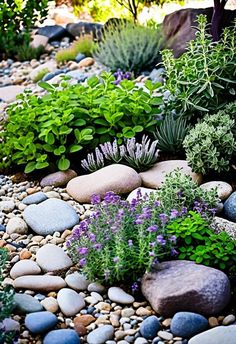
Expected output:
(17, 17)
(54, 127)
(171, 134)
(203, 78)
(119, 241)
(129, 47)
(26, 53)
(6, 301)
(179, 190)
(84, 45)
(211, 144)
(196, 241)
(140, 156)
(41, 74)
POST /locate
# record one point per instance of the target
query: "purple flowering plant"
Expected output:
(121, 75)
(120, 239)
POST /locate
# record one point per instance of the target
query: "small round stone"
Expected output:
(101, 335)
(149, 327)
(118, 295)
(40, 322)
(187, 324)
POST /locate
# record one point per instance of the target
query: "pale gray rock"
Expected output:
(101, 335)
(24, 267)
(52, 258)
(59, 178)
(35, 198)
(145, 192)
(118, 295)
(16, 225)
(77, 281)
(39, 283)
(8, 93)
(217, 335)
(223, 189)
(26, 304)
(70, 302)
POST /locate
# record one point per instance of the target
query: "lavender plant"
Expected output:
(140, 156)
(121, 240)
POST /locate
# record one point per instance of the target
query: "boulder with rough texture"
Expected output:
(8, 93)
(24, 267)
(59, 178)
(81, 28)
(53, 32)
(179, 27)
(217, 335)
(52, 258)
(155, 176)
(222, 225)
(52, 215)
(223, 189)
(39, 283)
(182, 285)
(230, 207)
(118, 178)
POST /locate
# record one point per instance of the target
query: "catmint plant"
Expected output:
(120, 75)
(120, 240)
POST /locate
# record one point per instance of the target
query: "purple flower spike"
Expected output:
(82, 251)
(130, 243)
(116, 259)
(82, 262)
(161, 240)
(152, 229)
(173, 252)
(174, 213)
(95, 199)
(163, 218)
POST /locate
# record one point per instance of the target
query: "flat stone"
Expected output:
(52, 258)
(63, 336)
(24, 267)
(36, 198)
(217, 335)
(155, 176)
(118, 178)
(181, 285)
(40, 322)
(26, 303)
(223, 189)
(16, 225)
(70, 302)
(222, 225)
(39, 283)
(145, 192)
(52, 215)
(230, 207)
(8, 93)
(101, 335)
(187, 324)
(77, 281)
(59, 178)
(118, 295)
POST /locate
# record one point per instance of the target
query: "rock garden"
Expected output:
(117, 174)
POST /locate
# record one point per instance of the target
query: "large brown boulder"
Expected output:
(182, 285)
(178, 27)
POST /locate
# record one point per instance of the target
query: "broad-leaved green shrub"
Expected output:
(52, 128)
(211, 144)
(17, 17)
(203, 78)
(129, 47)
(196, 241)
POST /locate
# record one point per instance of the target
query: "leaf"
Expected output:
(30, 167)
(63, 164)
(41, 165)
(50, 139)
(80, 122)
(138, 128)
(188, 240)
(46, 86)
(75, 148)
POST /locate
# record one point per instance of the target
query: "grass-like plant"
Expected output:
(84, 45)
(26, 53)
(129, 47)
(41, 74)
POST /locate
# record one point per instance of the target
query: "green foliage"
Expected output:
(83, 45)
(203, 78)
(196, 241)
(41, 74)
(211, 144)
(129, 47)
(26, 53)
(119, 241)
(140, 156)
(6, 300)
(17, 17)
(51, 129)
(179, 190)
(171, 134)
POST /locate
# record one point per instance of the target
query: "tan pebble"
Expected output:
(114, 319)
(102, 320)
(84, 320)
(177, 338)
(66, 233)
(80, 329)
(22, 206)
(10, 248)
(37, 238)
(120, 335)
(2, 243)
(103, 306)
(229, 319)
(139, 304)
(52, 294)
(131, 332)
(127, 312)
(91, 327)
(166, 322)
(88, 61)
(63, 326)
(213, 322)
(141, 311)
(50, 304)
(25, 254)
(220, 318)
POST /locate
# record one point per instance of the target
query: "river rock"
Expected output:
(230, 207)
(59, 178)
(50, 304)
(182, 285)
(8, 93)
(16, 225)
(53, 32)
(187, 324)
(118, 178)
(223, 189)
(40, 322)
(39, 41)
(24, 267)
(118, 295)
(52, 215)
(70, 302)
(217, 335)
(155, 176)
(145, 192)
(35, 198)
(27, 304)
(77, 281)
(101, 335)
(63, 336)
(7, 206)
(88, 61)
(52, 258)
(50, 66)
(222, 225)
(10, 325)
(39, 283)
(149, 327)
